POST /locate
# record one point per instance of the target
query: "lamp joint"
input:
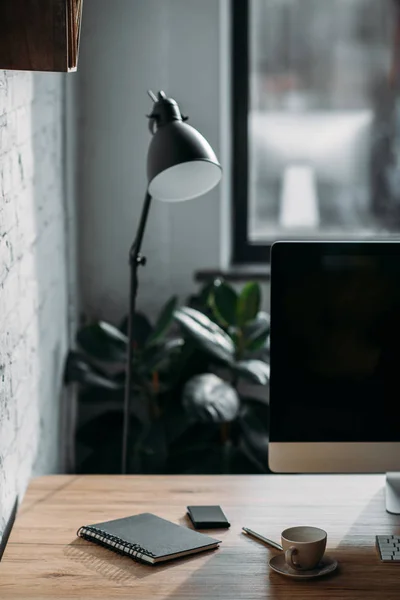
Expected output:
(141, 260)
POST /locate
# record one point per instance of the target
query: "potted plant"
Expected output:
(188, 395)
(235, 335)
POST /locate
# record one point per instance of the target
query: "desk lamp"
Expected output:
(181, 165)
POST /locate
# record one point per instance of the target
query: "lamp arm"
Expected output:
(134, 252)
(135, 260)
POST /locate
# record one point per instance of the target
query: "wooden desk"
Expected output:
(44, 559)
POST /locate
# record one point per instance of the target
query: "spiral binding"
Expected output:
(92, 534)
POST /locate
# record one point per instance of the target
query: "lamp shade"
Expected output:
(180, 163)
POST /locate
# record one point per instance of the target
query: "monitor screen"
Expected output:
(335, 342)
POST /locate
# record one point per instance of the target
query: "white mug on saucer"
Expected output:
(304, 547)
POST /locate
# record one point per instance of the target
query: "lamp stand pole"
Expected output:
(135, 261)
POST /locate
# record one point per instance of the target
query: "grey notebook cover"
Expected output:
(156, 536)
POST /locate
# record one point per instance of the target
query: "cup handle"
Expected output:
(289, 558)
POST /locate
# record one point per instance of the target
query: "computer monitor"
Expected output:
(335, 359)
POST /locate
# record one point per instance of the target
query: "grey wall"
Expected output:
(33, 279)
(127, 47)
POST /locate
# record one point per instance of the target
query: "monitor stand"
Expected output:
(393, 493)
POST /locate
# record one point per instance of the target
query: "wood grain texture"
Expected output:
(44, 558)
(39, 35)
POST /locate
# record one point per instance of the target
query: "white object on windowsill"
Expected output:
(299, 201)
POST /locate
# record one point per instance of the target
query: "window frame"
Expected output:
(243, 251)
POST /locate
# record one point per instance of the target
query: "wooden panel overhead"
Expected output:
(40, 35)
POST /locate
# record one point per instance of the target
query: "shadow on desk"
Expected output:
(239, 569)
(361, 567)
(247, 574)
(113, 566)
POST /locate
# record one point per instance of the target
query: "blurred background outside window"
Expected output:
(323, 119)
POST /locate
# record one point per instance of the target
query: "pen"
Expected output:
(262, 538)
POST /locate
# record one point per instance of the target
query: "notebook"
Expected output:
(147, 538)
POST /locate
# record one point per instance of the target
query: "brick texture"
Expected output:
(33, 288)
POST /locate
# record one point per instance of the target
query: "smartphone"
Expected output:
(208, 517)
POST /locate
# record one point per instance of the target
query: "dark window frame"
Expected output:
(243, 250)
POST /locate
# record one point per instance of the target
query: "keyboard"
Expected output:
(388, 547)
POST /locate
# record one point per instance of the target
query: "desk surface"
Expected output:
(44, 559)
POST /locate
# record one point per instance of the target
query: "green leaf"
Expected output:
(256, 332)
(224, 303)
(164, 320)
(207, 335)
(200, 300)
(156, 356)
(248, 303)
(256, 371)
(258, 342)
(207, 398)
(205, 292)
(142, 328)
(79, 370)
(103, 342)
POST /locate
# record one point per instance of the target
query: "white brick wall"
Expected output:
(33, 294)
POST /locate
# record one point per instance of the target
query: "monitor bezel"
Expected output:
(327, 457)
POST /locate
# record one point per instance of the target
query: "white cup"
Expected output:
(304, 547)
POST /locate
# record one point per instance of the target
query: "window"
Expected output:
(316, 121)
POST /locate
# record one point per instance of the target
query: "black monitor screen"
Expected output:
(335, 342)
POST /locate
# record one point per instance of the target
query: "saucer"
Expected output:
(326, 566)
